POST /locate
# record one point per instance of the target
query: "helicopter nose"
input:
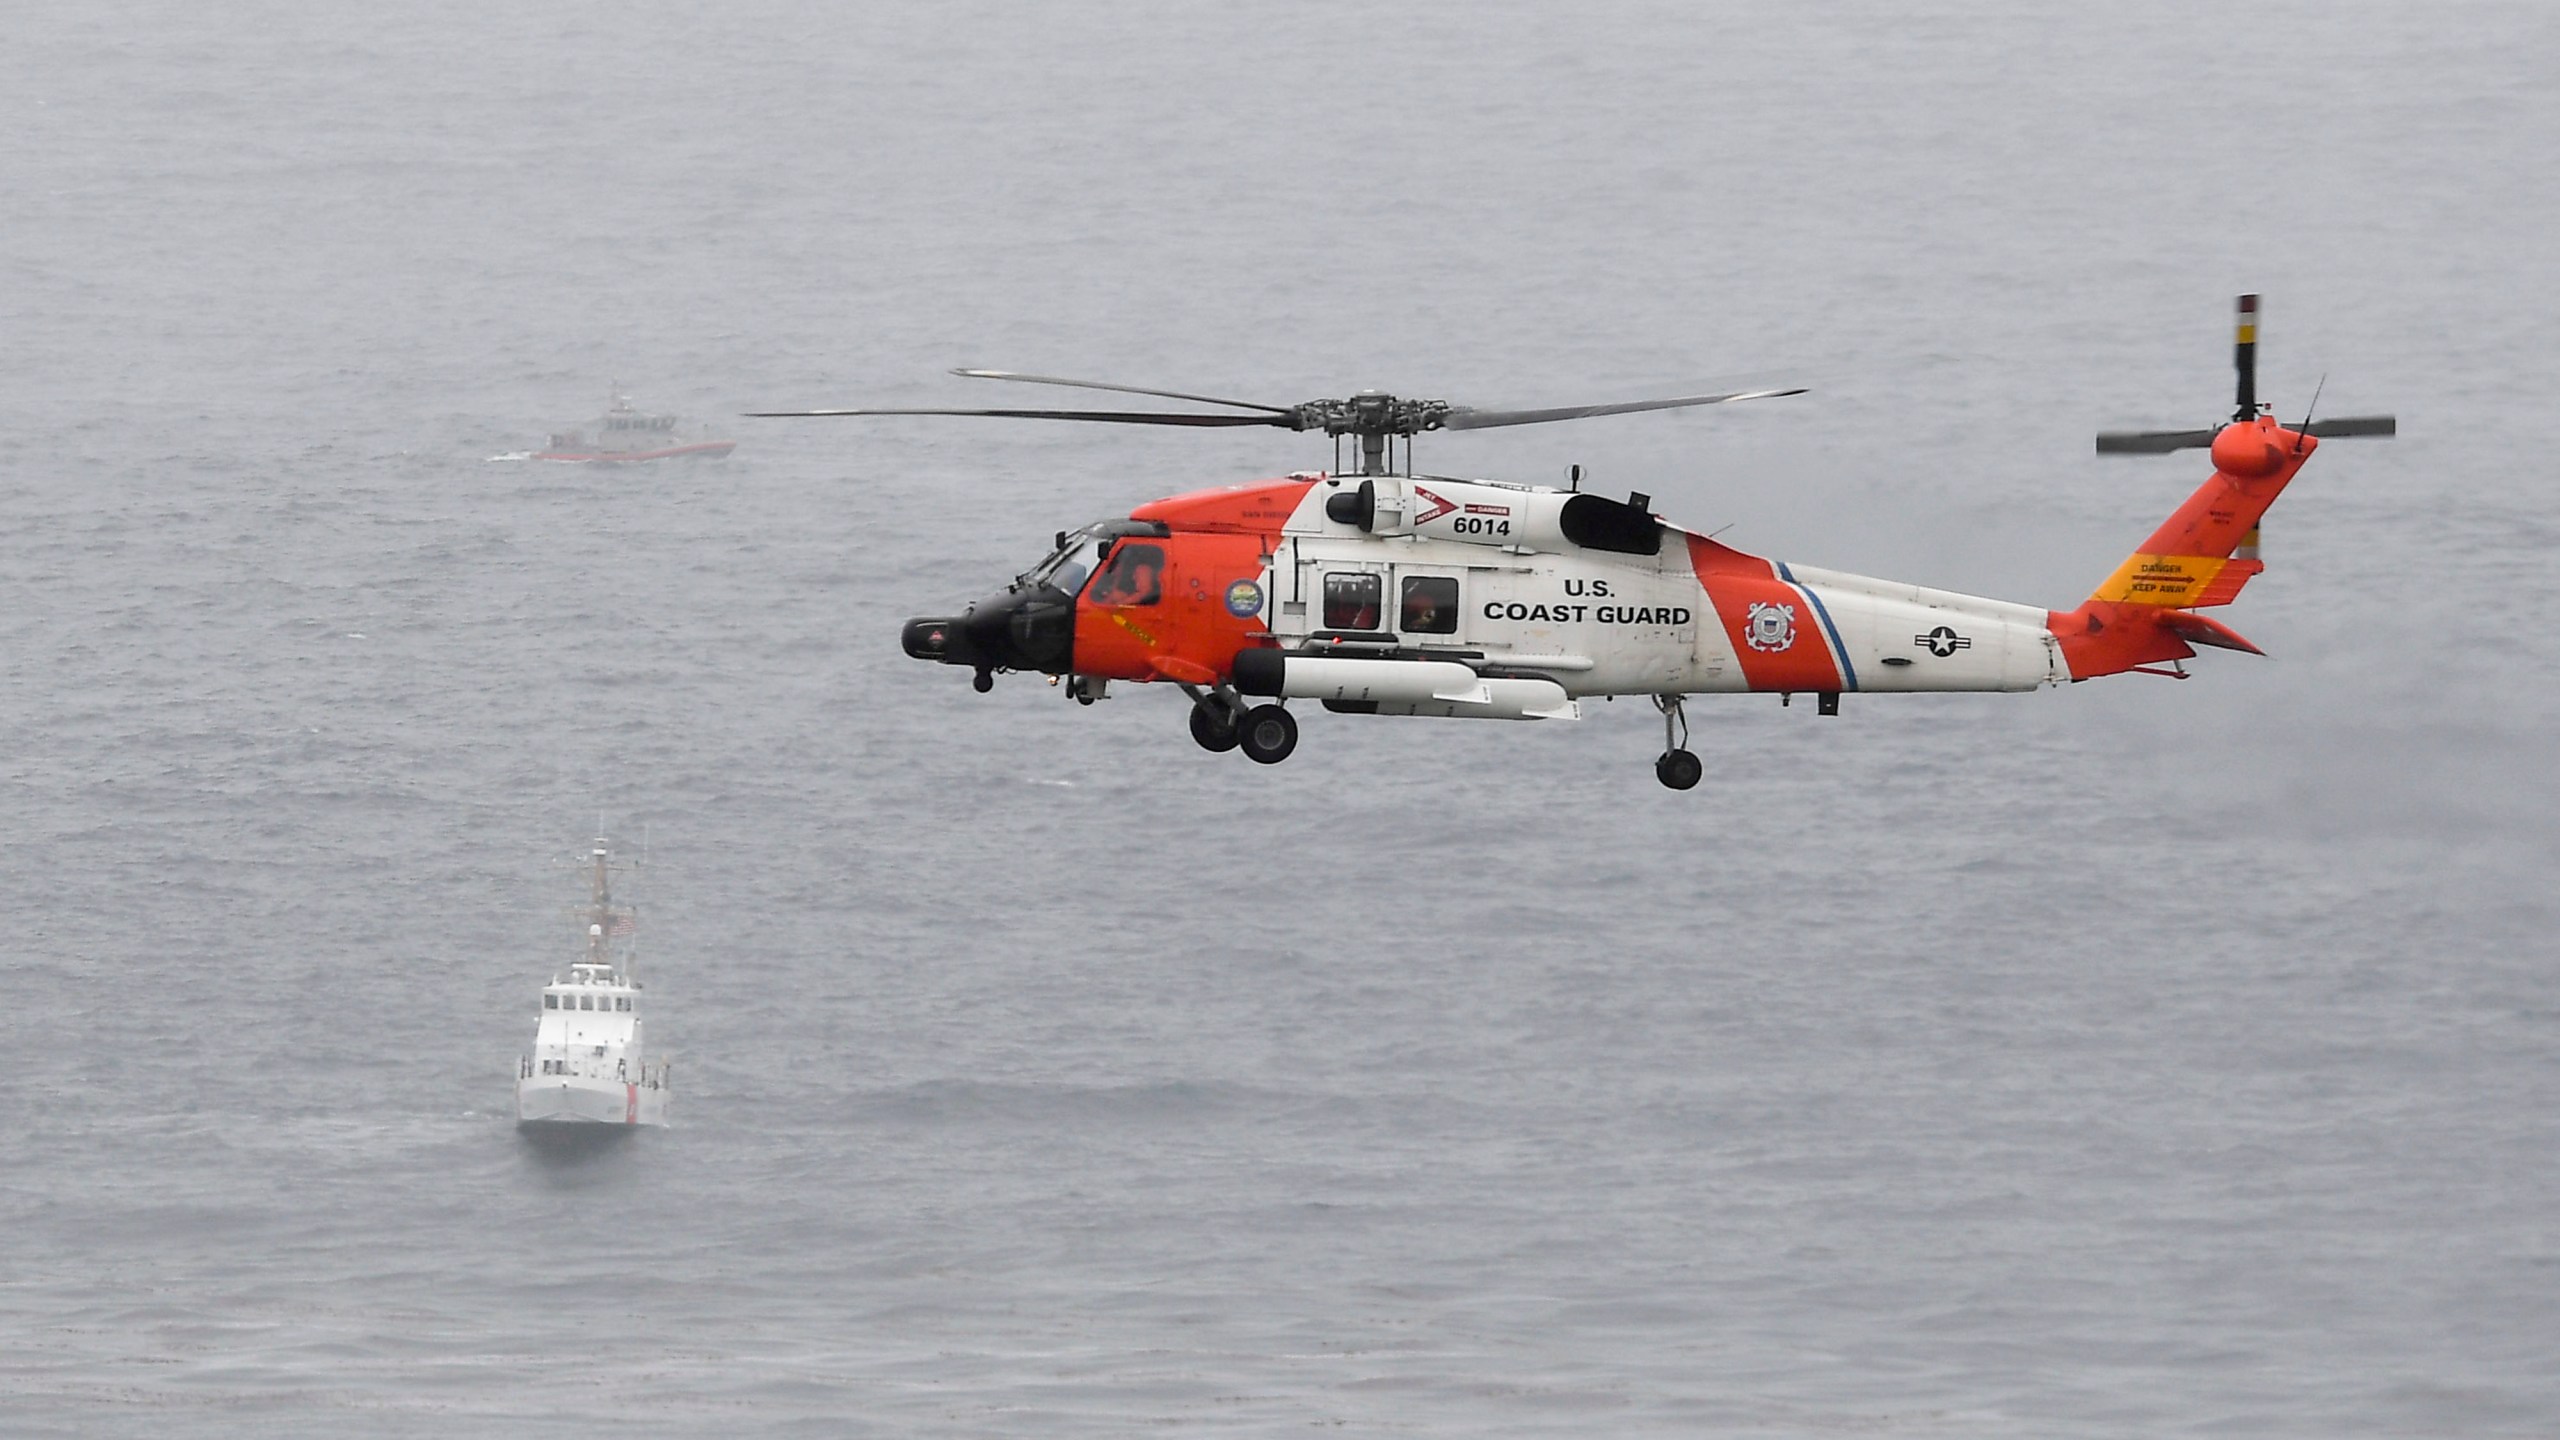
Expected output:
(1016, 630)
(942, 638)
(1020, 629)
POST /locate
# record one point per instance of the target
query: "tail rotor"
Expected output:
(2245, 408)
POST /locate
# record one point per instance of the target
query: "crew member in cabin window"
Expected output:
(1351, 602)
(1430, 604)
(1133, 576)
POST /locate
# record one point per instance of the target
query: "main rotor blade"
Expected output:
(1121, 389)
(1117, 417)
(2153, 442)
(1465, 419)
(2354, 425)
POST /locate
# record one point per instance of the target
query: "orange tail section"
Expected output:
(2200, 556)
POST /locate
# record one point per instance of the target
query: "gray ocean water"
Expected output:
(2141, 1058)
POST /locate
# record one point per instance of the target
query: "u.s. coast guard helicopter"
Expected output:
(1388, 592)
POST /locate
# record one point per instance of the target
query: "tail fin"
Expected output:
(2204, 552)
(2200, 556)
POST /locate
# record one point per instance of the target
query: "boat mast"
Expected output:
(601, 913)
(597, 953)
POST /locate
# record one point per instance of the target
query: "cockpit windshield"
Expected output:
(1068, 566)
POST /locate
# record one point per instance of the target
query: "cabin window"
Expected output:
(622, 1004)
(1351, 602)
(1134, 575)
(550, 1002)
(586, 1002)
(1427, 604)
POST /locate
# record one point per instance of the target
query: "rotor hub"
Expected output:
(1371, 412)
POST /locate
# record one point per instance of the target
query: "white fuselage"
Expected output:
(1510, 593)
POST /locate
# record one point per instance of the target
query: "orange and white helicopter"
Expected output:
(1389, 592)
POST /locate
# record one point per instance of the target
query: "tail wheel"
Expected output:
(1679, 769)
(1213, 724)
(1268, 733)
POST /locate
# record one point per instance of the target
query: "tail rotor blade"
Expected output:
(2346, 425)
(2244, 357)
(2153, 442)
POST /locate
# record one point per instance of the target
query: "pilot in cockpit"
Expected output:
(1134, 575)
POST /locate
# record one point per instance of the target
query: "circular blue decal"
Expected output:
(1244, 599)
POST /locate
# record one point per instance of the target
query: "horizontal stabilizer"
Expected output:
(2198, 630)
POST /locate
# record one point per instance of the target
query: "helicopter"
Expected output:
(1387, 591)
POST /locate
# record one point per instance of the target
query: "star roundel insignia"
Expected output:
(1769, 626)
(1943, 642)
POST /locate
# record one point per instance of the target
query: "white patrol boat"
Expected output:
(589, 1067)
(625, 436)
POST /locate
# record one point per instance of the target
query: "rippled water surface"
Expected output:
(2142, 1058)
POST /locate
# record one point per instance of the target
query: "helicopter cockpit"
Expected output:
(1031, 625)
(1079, 551)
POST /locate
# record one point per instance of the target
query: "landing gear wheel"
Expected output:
(1679, 769)
(1268, 733)
(1213, 724)
(983, 681)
